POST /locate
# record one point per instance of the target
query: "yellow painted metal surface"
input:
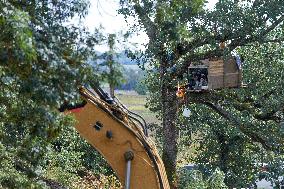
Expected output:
(146, 172)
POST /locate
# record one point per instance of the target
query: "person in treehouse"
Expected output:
(203, 80)
(197, 80)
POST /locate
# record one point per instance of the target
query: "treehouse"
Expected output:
(215, 73)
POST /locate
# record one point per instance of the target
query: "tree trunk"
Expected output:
(111, 75)
(111, 90)
(169, 156)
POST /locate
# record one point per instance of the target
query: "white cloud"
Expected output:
(104, 12)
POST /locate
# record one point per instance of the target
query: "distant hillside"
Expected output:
(121, 58)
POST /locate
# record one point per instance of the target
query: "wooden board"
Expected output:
(231, 80)
(230, 66)
(222, 73)
(215, 82)
(216, 68)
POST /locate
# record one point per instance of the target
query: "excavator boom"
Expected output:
(121, 140)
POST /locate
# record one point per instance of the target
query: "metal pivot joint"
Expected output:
(128, 156)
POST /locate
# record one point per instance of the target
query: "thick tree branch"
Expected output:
(279, 40)
(228, 116)
(255, 38)
(272, 26)
(254, 107)
(148, 24)
(237, 39)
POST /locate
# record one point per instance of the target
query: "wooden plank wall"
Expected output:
(216, 74)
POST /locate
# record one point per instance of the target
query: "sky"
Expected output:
(104, 12)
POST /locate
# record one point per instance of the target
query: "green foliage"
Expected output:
(195, 180)
(91, 181)
(63, 160)
(141, 88)
(10, 176)
(43, 60)
(112, 71)
(70, 159)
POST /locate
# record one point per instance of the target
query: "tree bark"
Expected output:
(170, 131)
(111, 90)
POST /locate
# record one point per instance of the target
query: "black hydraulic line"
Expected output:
(104, 96)
(144, 126)
(151, 155)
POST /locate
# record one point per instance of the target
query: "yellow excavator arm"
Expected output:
(122, 140)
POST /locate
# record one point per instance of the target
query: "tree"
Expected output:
(134, 80)
(43, 61)
(141, 88)
(113, 70)
(182, 32)
(161, 30)
(194, 180)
